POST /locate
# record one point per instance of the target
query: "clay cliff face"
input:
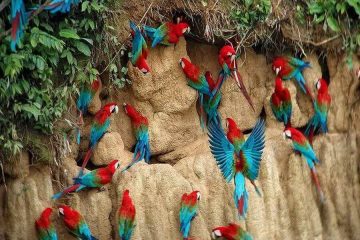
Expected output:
(289, 207)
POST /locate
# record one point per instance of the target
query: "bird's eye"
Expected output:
(117, 165)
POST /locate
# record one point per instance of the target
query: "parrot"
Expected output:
(231, 232)
(167, 33)
(84, 100)
(44, 227)
(321, 106)
(290, 67)
(302, 145)
(62, 6)
(188, 211)
(197, 81)
(227, 61)
(19, 18)
(238, 158)
(211, 104)
(141, 129)
(126, 216)
(99, 127)
(94, 179)
(139, 51)
(280, 103)
(75, 223)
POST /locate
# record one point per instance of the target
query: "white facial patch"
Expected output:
(117, 165)
(116, 108)
(287, 133)
(277, 70)
(182, 64)
(61, 211)
(143, 70)
(318, 85)
(216, 234)
(198, 195)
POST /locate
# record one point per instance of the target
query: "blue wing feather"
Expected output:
(97, 132)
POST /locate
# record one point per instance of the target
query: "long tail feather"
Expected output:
(68, 190)
(136, 159)
(317, 184)
(85, 161)
(241, 195)
(256, 189)
(241, 85)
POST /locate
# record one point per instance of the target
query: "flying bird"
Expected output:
(139, 49)
(238, 158)
(188, 211)
(231, 232)
(44, 226)
(280, 103)
(126, 216)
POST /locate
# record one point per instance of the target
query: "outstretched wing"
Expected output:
(253, 149)
(222, 150)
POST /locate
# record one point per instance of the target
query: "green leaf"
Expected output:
(333, 24)
(32, 109)
(69, 33)
(83, 48)
(84, 6)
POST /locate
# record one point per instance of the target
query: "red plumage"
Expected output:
(191, 70)
(225, 55)
(15, 25)
(210, 80)
(127, 209)
(70, 216)
(284, 66)
(190, 199)
(323, 96)
(43, 222)
(104, 113)
(234, 133)
(135, 116)
(297, 136)
(105, 174)
(175, 31)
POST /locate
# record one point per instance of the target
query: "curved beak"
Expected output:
(277, 70)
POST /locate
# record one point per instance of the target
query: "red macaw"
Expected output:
(188, 211)
(44, 227)
(290, 67)
(280, 103)
(321, 107)
(126, 216)
(230, 232)
(302, 145)
(139, 50)
(95, 179)
(75, 223)
(168, 33)
(227, 61)
(238, 158)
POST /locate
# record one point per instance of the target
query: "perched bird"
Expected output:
(99, 127)
(227, 61)
(94, 179)
(188, 211)
(211, 104)
(302, 145)
(231, 232)
(75, 223)
(290, 67)
(126, 216)
(19, 18)
(167, 33)
(139, 50)
(197, 81)
(44, 227)
(321, 107)
(62, 6)
(238, 158)
(141, 129)
(280, 103)
(84, 100)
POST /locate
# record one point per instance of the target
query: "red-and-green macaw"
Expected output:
(44, 227)
(85, 97)
(167, 33)
(211, 104)
(321, 107)
(95, 179)
(227, 61)
(231, 232)
(238, 158)
(126, 217)
(188, 211)
(141, 129)
(280, 103)
(290, 67)
(19, 19)
(197, 81)
(99, 127)
(62, 6)
(302, 145)
(139, 49)
(75, 223)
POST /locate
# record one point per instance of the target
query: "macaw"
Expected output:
(99, 127)
(141, 129)
(139, 51)
(302, 145)
(62, 6)
(94, 179)
(227, 61)
(238, 158)
(211, 104)
(126, 216)
(188, 211)
(197, 81)
(321, 107)
(167, 33)
(44, 227)
(280, 103)
(231, 232)
(290, 67)
(19, 18)
(84, 100)
(75, 223)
